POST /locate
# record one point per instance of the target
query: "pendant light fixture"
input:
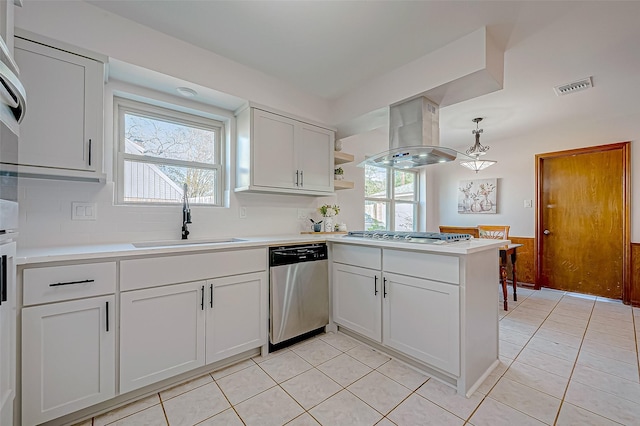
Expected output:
(476, 164)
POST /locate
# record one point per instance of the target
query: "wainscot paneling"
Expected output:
(635, 274)
(526, 260)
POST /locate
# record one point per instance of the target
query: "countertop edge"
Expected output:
(35, 256)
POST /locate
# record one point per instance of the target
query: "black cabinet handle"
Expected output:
(297, 177)
(71, 282)
(301, 178)
(384, 288)
(3, 279)
(89, 151)
(211, 297)
(375, 286)
(107, 315)
(202, 299)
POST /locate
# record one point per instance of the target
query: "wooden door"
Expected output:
(68, 357)
(583, 220)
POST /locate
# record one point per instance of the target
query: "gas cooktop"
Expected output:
(411, 237)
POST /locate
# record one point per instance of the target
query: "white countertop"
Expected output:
(109, 251)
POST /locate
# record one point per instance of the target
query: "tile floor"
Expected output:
(566, 359)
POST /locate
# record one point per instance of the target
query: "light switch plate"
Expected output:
(84, 211)
(528, 204)
(242, 212)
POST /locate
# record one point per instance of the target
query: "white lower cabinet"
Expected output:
(236, 320)
(413, 315)
(421, 318)
(165, 331)
(161, 333)
(356, 299)
(68, 357)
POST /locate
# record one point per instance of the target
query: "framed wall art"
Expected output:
(478, 196)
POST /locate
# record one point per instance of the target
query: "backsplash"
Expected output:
(45, 216)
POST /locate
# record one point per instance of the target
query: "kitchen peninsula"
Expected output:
(431, 305)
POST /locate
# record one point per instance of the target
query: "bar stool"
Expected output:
(499, 232)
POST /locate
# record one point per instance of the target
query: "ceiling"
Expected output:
(329, 48)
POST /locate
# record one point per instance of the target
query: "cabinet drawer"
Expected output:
(423, 265)
(365, 257)
(56, 283)
(157, 271)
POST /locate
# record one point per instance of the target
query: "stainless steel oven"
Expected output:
(12, 109)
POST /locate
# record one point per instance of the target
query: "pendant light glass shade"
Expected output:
(477, 164)
(475, 151)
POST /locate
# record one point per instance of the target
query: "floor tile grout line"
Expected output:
(566, 389)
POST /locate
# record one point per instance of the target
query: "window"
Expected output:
(160, 150)
(391, 199)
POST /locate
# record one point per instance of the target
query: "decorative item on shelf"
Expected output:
(317, 226)
(338, 145)
(328, 212)
(338, 173)
(476, 151)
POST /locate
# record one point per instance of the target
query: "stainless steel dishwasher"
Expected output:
(299, 290)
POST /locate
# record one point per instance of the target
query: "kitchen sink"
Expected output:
(169, 243)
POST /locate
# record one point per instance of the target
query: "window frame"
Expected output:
(123, 105)
(391, 200)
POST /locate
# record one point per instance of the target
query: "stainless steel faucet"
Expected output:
(186, 213)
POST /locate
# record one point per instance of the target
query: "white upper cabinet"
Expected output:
(282, 154)
(61, 135)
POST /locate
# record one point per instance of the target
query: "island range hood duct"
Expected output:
(414, 137)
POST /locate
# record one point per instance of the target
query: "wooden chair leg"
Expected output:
(503, 280)
(515, 280)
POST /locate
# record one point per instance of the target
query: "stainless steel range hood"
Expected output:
(414, 137)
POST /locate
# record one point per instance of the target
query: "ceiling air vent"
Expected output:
(576, 86)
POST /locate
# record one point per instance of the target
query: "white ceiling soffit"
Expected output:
(469, 67)
(163, 83)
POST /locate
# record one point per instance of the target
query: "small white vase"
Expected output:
(338, 145)
(328, 224)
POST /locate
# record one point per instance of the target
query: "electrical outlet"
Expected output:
(242, 212)
(528, 204)
(302, 214)
(84, 211)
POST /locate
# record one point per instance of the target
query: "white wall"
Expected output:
(515, 172)
(45, 206)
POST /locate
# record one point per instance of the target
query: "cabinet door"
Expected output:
(68, 357)
(314, 151)
(161, 333)
(7, 333)
(356, 300)
(62, 128)
(421, 319)
(236, 315)
(274, 163)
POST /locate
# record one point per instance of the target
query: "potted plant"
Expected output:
(328, 211)
(338, 173)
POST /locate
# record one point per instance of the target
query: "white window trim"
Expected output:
(391, 201)
(122, 105)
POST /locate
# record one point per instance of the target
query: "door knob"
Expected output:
(546, 232)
